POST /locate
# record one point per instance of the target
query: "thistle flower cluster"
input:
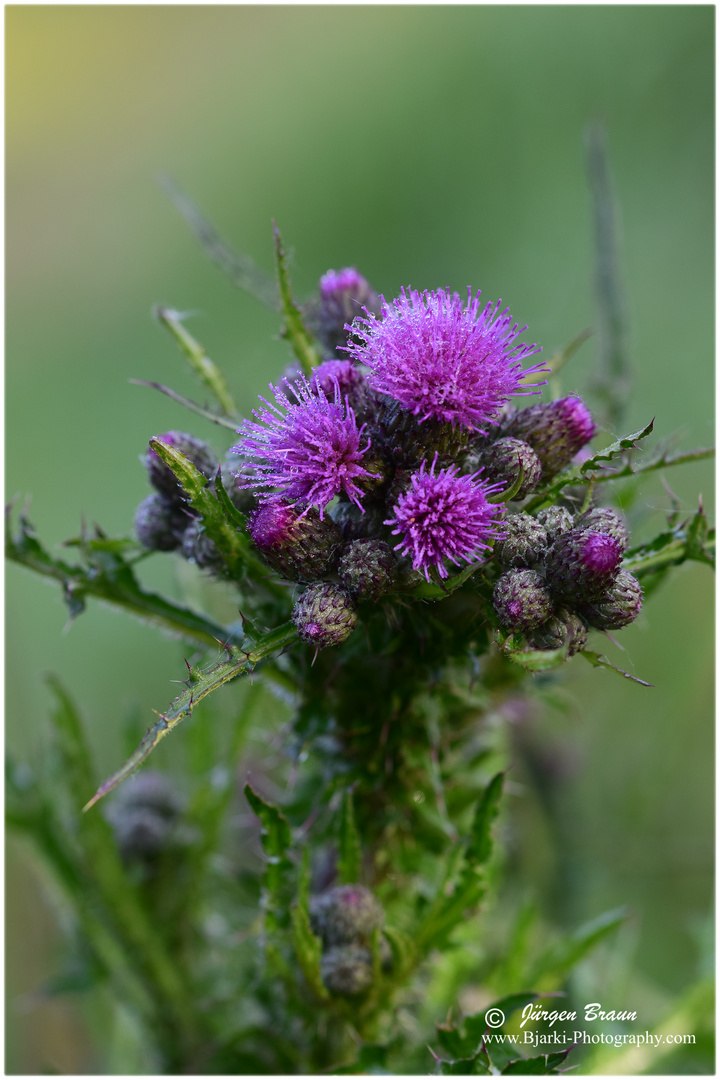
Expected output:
(396, 459)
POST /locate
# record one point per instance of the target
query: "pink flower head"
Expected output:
(441, 360)
(444, 516)
(307, 450)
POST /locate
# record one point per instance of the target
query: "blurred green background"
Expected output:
(425, 145)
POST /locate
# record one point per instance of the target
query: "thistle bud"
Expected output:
(355, 524)
(522, 542)
(502, 461)
(556, 431)
(143, 816)
(300, 546)
(343, 295)
(346, 915)
(347, 970)
(563, 627)
(159, 524)
(162, 477)
(198, 548)
(607, 521)
(521, 600)
(349, 380)
(582, 564)
(324, 615)
(367, 569)
(556, 520)
(618, 606)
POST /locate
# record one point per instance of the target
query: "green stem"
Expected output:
(295, 330)
(199, 360)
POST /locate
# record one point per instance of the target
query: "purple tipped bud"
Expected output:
(343, 295)
(522, 543)
(143, 815)
(367, 569)
(605, 520)
(521, 600)
(301, 547)
(565, 627)
(347, 970)
(556, 520)
(324, 615)
(556, 431)
(346, 915)
(198, 548)
(350, 380)
(618, 606)
(582, 564)
(162, 478)
(502, 461)
(160, 524)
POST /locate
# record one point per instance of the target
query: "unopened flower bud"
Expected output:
(581, 564)
(347, 970)
(563, 627)
(198, 548)
(144, 814)
(198, 452)
(346, 915)
(522, 542)
(618, 606)
(556, 431)
(367, 569)
(502, 461)
(343, 295)
(556, 520)
(522, 600)
(300, 546)
(348, 378)
(355, 524)
(160, 524)
(605, 520)
(325, 615)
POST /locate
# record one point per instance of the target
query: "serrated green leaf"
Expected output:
(308, 947)
(348, 842)
(295, 330)
(480, 845)
(543, 1065)
(599, 661)
(562, 957)
(538, 659)
(432, 590)
(371, 1059)
(275, 839)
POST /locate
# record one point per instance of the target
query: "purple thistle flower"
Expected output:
(441, 360)
(444, 516)
(308, 450)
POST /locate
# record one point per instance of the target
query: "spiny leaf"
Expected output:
(238, 267)
(480, 844)
(295, 330)
(599, 661)
(439, 590)
(112, 580)
(562, 957)
(348, 843)
(240, 662)
(275, 838)
(510, 492)
(543, 1065)
(208, 414)
(538, 659)
(200, 362)
(308, 947)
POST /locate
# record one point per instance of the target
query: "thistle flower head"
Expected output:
(442, 516)
(343, 294)
(442, 360)
(308, 449)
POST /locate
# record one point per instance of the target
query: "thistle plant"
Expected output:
(408, 542)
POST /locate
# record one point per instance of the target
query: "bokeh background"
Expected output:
(425, 145)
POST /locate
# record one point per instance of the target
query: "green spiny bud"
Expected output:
(522, 542)
(346, 915)
(522, 600)
(618, 606)
(160, 524)
(502, 461)
(367, 569)
(582, 564)
(555, 430)
(564, 626)
(607, 521)
(162, 477)
(301, 546)
(556, 520)
(325, 615)
(347, 970)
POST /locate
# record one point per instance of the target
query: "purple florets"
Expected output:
(342, 373)
(346, 280)
(443, 361)
(444, 516)
(308, 450)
